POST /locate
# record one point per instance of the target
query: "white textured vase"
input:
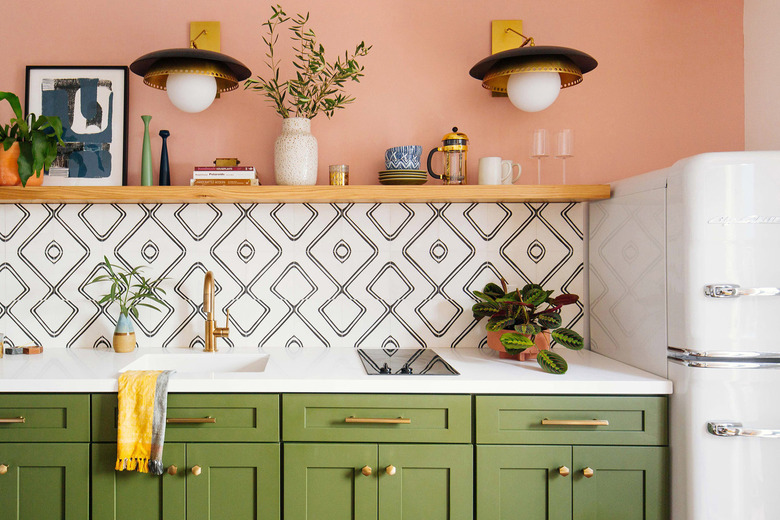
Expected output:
(295, 153)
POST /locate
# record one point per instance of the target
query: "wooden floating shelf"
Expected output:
(311, 194)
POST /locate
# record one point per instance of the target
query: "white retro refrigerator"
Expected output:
(684, 281)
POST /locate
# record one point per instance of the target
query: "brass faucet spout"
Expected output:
(212, 332)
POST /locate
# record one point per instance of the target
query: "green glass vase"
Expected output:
(146, 155)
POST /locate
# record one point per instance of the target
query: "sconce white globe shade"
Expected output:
(533, 91)
(191, 92)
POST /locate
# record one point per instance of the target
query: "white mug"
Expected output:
(494, 170)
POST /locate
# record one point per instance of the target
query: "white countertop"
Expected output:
(331, 370)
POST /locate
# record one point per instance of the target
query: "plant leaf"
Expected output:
(515, 341)
(485, 308)
(499, 323)
(568, 338)
(551, 362)
(549, 320)
(482, 295)
(530, 329)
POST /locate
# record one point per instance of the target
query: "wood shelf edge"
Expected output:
(310, 194)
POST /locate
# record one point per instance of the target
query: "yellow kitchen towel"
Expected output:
(143, 396)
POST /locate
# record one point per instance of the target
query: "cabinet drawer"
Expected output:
(44, 417)
(234, 417)
(599, 420)
(377, 418)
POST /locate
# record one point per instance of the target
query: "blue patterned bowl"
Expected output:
(403, 157)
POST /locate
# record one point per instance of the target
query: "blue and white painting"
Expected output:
(90, 103)
(85, 106)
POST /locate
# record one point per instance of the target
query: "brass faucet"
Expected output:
(212, 331)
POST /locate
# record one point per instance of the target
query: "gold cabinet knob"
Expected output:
(3, 469)
(196, 470)
(564, 471)
(588, 472)
(172, 469)
(366, 471)
(390, 470)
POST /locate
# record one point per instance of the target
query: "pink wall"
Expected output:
(669, 82)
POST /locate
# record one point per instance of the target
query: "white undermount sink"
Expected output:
(213, 364)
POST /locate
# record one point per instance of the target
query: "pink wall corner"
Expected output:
(669, 83)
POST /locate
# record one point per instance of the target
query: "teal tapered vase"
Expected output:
(146, 155)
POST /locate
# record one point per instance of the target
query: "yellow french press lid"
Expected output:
(455, 141)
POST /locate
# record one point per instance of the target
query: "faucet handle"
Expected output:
(227, 319)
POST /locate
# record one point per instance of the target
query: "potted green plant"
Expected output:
(318, 86)
(29, 145)
(523, 320)
(130, 289)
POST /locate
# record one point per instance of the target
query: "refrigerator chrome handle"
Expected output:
(730, 290)
(735, 429)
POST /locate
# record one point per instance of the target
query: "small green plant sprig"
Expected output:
(38, 137)
(130, 288)
(318, 85)
(522, 311)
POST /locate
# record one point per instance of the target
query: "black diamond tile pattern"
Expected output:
(296, 275)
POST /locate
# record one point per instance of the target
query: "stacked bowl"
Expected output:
(403, 166)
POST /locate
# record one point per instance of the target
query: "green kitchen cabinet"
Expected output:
(44, 481)
(523, 482)
(629, 482)
(550, 482)
(588, 469)
(221, 460)
(378, 481)
(210, 481)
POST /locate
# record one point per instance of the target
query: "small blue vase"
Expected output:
(124, 334)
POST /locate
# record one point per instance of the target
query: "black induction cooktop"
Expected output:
(404, 362)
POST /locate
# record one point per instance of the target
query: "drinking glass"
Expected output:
(565, 148)
(539, 149)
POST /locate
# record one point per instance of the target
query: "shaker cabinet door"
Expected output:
(430, 481)
(525, 482)
(129, 495)
(626, 482)
(44, 481)
(235, 481)
(326, 482)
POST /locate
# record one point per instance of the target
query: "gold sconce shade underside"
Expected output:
(571, 64)
(496, 78)
(157, 75)
(156, 66)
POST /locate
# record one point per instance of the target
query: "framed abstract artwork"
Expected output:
(92, 104)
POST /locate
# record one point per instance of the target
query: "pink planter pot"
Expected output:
(541, 342)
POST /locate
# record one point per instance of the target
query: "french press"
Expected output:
(455, 145)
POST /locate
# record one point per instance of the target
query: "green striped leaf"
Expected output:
(484, 296)
(485, 308)
(530, 329)
(493, 290)
(549, 320)
(514, 342)
(568, 338)
(499, 323)
(551, 362)
(534, 295)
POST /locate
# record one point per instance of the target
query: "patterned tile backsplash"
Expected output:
(338, 275)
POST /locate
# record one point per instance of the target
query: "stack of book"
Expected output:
(224, 176)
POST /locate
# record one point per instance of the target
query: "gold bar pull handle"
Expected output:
(191, 420)
(575, 422)
(378, 420)
(12, 420)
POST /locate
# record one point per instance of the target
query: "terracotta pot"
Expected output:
(541, 342)
(9, 168)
